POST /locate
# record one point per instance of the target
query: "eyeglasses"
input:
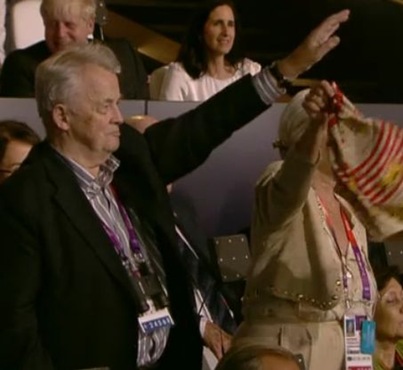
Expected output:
(278, 144)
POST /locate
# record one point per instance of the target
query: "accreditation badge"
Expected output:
(359, 342)
(156, 320)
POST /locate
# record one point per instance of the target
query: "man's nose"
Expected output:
(61, 29)
(117, 115)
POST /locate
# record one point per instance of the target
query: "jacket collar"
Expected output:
(72, 201)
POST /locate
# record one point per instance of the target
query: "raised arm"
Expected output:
(283, 191)
(180, 145)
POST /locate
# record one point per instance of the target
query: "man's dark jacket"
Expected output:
(66, 301)
(17, 77)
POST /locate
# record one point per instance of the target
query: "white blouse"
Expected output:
(177, 85)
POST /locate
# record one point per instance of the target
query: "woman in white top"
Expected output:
(208, 59)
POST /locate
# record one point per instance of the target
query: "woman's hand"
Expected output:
(317, 101)
(316, 104)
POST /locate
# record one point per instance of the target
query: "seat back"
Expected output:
(25, 25)
(156, 79)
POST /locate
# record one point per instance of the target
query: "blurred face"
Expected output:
(16, 152)
(389, 312)
(219, 31)
(92, 118)
(65, 27)
(278, 363)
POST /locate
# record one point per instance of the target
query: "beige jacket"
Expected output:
(294, 257)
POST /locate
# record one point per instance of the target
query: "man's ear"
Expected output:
(90, 26)
(61, 117)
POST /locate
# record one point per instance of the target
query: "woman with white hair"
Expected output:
(310, 266)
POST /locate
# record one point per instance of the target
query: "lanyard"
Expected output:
(366, 293)
(145, 281)
(134, 242)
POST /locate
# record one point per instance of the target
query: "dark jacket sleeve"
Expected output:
(17, 76)
(179, 145)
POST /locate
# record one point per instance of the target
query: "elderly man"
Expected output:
(89, 272)
(69, 22)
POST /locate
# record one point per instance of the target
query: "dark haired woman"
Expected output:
(16, 140)
(208, 59)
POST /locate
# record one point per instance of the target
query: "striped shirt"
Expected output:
(267, 87)
(98, 192)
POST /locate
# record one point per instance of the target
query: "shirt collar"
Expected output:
(90, 184)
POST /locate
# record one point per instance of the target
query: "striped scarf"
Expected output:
(367, 160)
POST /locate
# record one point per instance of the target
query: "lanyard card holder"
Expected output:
(158, 316)
(152, 288)
(155, 320)
(368, 337)
(357, 343)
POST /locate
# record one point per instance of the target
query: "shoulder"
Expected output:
(269, 172)
(249, 66)
(25, 190)
(34, 53)
(118, 44)
(123, 50)
(175, 84)
(177, 69)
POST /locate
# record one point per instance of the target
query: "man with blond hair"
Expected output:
(68, 23)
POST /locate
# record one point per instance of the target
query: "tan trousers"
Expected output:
(321, 344)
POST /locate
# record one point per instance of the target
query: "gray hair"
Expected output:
(248, 356)
(57, 77)
(50, 8)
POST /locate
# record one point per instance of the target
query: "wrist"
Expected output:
(288, 68)
(276, 70)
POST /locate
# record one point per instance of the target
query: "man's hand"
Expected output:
(315, 46)
(216, 339)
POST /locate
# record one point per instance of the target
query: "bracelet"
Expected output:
(282, 81)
